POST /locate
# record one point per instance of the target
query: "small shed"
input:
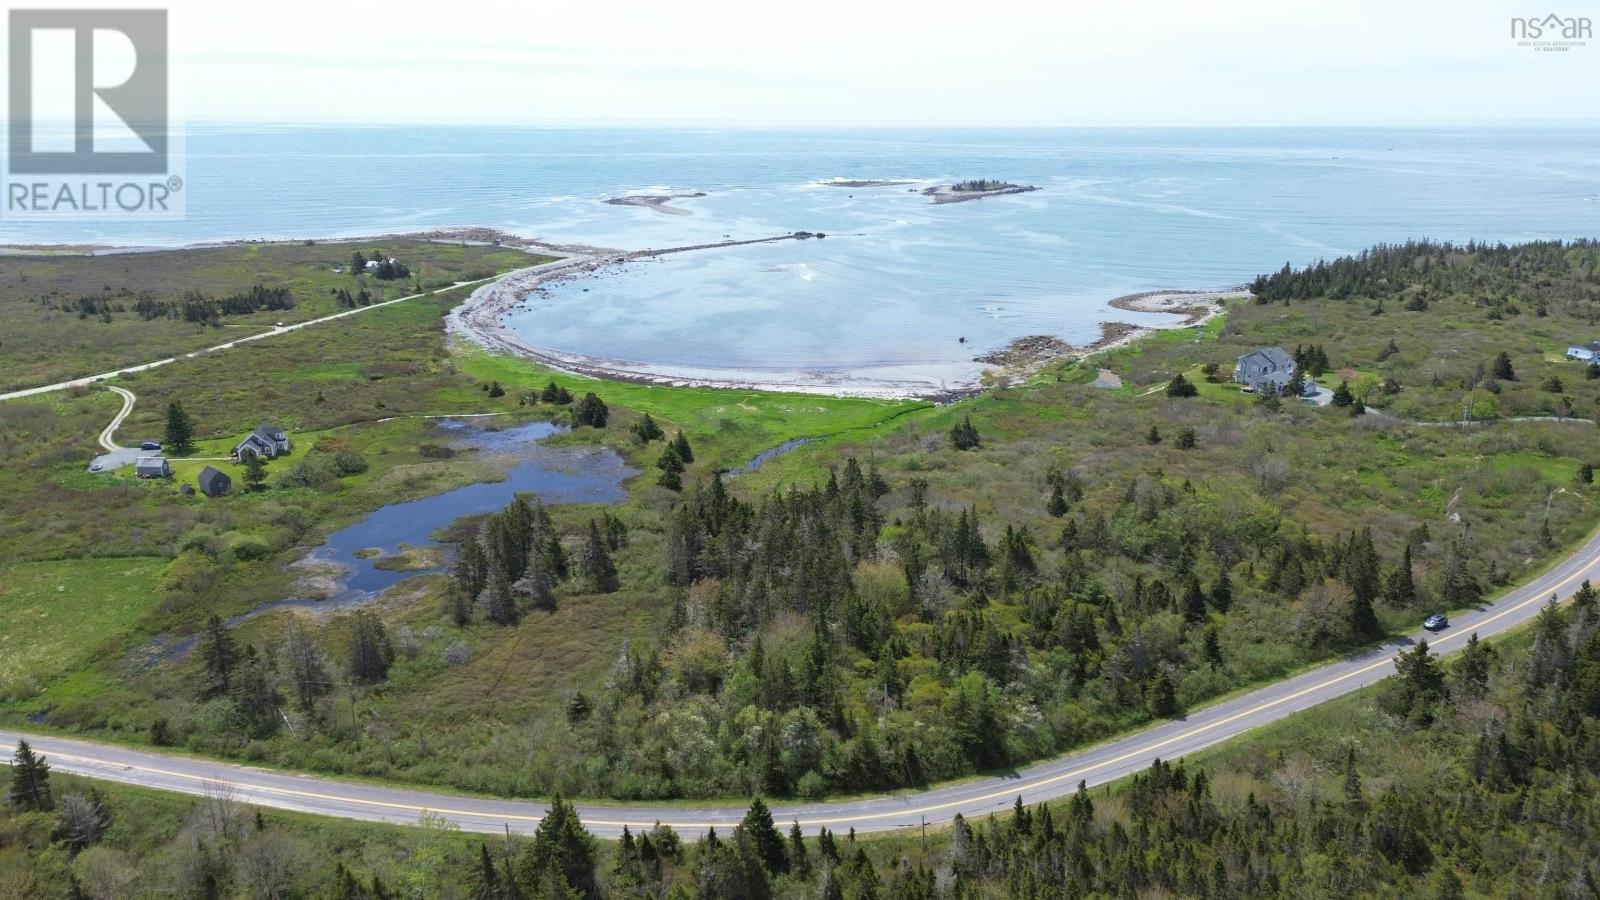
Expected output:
(214, 482)
(152, 467)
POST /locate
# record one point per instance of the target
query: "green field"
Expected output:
(55, 617)
(47, 340)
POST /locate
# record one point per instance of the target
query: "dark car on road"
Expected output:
(150, 445)
(1436, 622)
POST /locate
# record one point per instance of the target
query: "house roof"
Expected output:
(210, 476)
(1275, 355)
(144, 462)
(268, 432)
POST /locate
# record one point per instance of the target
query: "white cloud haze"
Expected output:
(1003, 62)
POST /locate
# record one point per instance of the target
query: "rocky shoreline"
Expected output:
(947, 193)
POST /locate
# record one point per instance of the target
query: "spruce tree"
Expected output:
(1222, 593)
(680, 443)
(219, 654)
(560, 846)
(595, 564)
(1181, 387)
(799, 863)
(963, 436)
(1212, 648)
(671, 465)
(764, 835)
(590, 411)
(1057, 507)
(1342, 395)
(1402, 587)
(371, 653)
(1502, 368)
(646, 430)
(30, 780)
(179, 437)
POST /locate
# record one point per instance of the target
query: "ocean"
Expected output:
(899, 281)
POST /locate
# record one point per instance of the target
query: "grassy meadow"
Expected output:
(485, 707)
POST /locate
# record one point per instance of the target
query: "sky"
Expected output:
(862, 62)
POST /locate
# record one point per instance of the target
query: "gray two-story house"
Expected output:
(1267, 370)
(267, 442)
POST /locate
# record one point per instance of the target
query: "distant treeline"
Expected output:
(1414, 270)
(192, 307)
(981, 184)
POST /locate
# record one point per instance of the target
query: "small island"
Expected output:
(864, 182)
(974, 189)
(661, 203)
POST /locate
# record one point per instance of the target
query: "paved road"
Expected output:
(1170, 740)
(284, 329)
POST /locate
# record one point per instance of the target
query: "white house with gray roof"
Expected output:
(267, 442)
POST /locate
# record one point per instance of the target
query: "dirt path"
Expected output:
(107, 436)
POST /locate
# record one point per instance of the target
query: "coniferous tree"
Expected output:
(1181, 387)
(220, 655)
(555, 393)
(590, 411)
(1222, 593)
(304, 664)
(764, 835)
(1402, 587)
(646, 430)
(371, 653)
(1457, 587)
(536, 589)
(30, 780)
(179, 437)
(963, 436)
(1186, 439)
(1342, 395)
(671, 465)
(1502, 368)
(680, 443)
(1057, 506)
(1212, 648)
(560, 846)
(595, 562)
(1477, 659)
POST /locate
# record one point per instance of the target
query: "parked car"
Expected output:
(95, 467)
(150, 445)
(1436, 622)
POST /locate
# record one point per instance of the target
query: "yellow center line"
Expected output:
(1010, 791)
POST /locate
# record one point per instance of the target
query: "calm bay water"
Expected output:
(898, 281)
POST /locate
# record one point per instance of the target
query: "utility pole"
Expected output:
(354, 728)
